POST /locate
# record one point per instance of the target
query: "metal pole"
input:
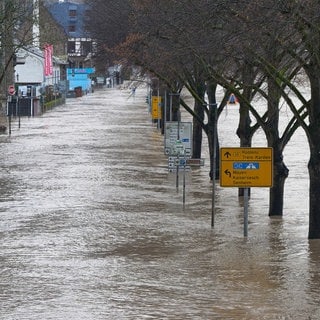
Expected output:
(214, 162)
(178, 138)
(177, 173)
(19, 111)
(164, 121)
(184, 180)
(245, 215)
(9, 125)
(170, 111)
(9, 112)
(159, 106)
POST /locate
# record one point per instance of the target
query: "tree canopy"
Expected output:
(251, 48)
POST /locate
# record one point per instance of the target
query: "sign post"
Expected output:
(246, 168)
(178, 144)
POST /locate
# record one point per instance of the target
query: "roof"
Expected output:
(21, 53)
(61, 13)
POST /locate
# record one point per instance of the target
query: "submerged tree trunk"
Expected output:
(175, 107)
(314, 196)
(313, 134)
(197, 132)
(244, 134)
(244, 131)
(276, 194)
(197, 126)
(212, 131)
(280, 171)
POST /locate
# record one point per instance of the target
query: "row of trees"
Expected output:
(16, 22)
(260, 48)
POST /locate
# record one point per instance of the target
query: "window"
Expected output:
(72, 13)
(72, 28)
(86, 47)
(71, 46)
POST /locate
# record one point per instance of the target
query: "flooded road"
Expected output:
(92, 226)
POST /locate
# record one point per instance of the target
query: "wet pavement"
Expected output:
(92, 226)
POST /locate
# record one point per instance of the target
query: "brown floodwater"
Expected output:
(93, 227)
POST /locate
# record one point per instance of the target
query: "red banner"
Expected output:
(48, 65)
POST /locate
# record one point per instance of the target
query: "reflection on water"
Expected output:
(92, 227)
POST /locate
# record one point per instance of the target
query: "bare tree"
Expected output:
(108, 24)
(16, 21)
(190, 44)
(303, 45)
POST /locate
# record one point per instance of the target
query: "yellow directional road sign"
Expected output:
(246, 167)
(156, 107)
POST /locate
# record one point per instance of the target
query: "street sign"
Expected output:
(195, 162)
(11, 90)
(246, 167)
(177, 131)
(178, 148)
(156, 107)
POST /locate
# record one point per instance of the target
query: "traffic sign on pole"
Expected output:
(11, 90)
(246, 167)
(156, 107)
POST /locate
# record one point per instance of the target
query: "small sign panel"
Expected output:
(246, 167)
(11, 90)
(156, 107)
(178, 131)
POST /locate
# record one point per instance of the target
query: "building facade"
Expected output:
(71, 17)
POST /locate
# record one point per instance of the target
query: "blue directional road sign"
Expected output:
(246, 165)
